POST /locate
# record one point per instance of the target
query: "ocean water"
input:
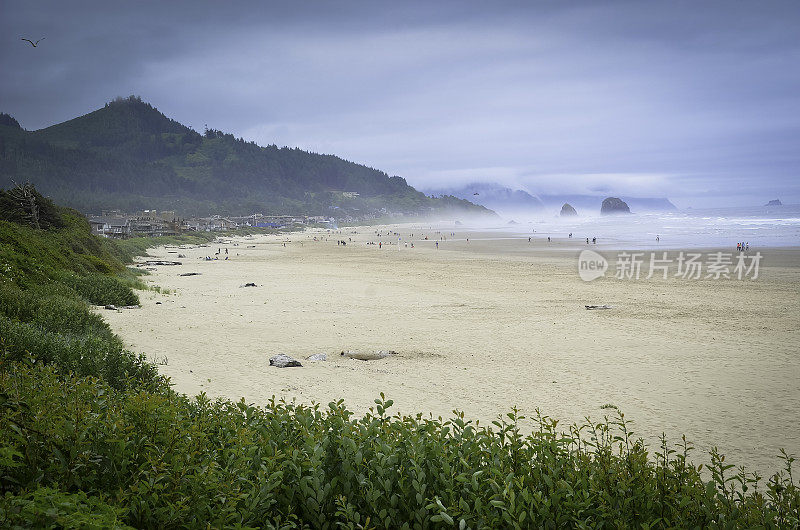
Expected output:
(777, 226)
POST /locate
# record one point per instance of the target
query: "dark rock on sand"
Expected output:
(283, 361)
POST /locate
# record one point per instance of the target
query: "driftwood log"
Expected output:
(161, 262)
(368, 355)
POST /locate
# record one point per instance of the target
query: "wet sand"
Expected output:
(482, 326)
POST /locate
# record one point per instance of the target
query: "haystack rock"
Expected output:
(567, 210)
(774, 202)
(614, 205)
(283, 361)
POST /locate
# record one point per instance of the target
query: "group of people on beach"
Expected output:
(217, 255)
(742, 246)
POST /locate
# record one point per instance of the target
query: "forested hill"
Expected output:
(128, 155)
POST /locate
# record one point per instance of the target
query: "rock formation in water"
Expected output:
(614, 205)
(774, 202)
(567, 210)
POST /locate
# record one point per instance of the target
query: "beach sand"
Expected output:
(482, 326)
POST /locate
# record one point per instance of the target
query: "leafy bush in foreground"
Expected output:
(48, 508)
(168, 461)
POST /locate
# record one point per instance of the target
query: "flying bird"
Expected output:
(32, 43)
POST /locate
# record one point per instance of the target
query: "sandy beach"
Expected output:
(482, 326)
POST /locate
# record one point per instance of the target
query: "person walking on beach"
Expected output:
(747, 247)
(437, 245)
(657, 238)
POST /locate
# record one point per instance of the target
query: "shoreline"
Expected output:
(481, 329)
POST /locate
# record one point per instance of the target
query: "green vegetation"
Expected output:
(47, 279)
(127, 249)
(92, 436)
(128, 155)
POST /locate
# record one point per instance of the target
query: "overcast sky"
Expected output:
(696, 101)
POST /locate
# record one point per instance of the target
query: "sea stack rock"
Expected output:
(774, 202)
(614, 205)
(567, 210)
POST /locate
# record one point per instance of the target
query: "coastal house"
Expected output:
(105, 226)
(215, 223)
(151, 227)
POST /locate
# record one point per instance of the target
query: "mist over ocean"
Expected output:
(773, 226)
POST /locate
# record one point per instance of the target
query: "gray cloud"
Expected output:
(695, 101)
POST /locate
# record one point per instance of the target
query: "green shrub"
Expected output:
(49, 508)
(99, 289)
(29, 257)
(55, 308)
(84, 353)
(174, 462)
